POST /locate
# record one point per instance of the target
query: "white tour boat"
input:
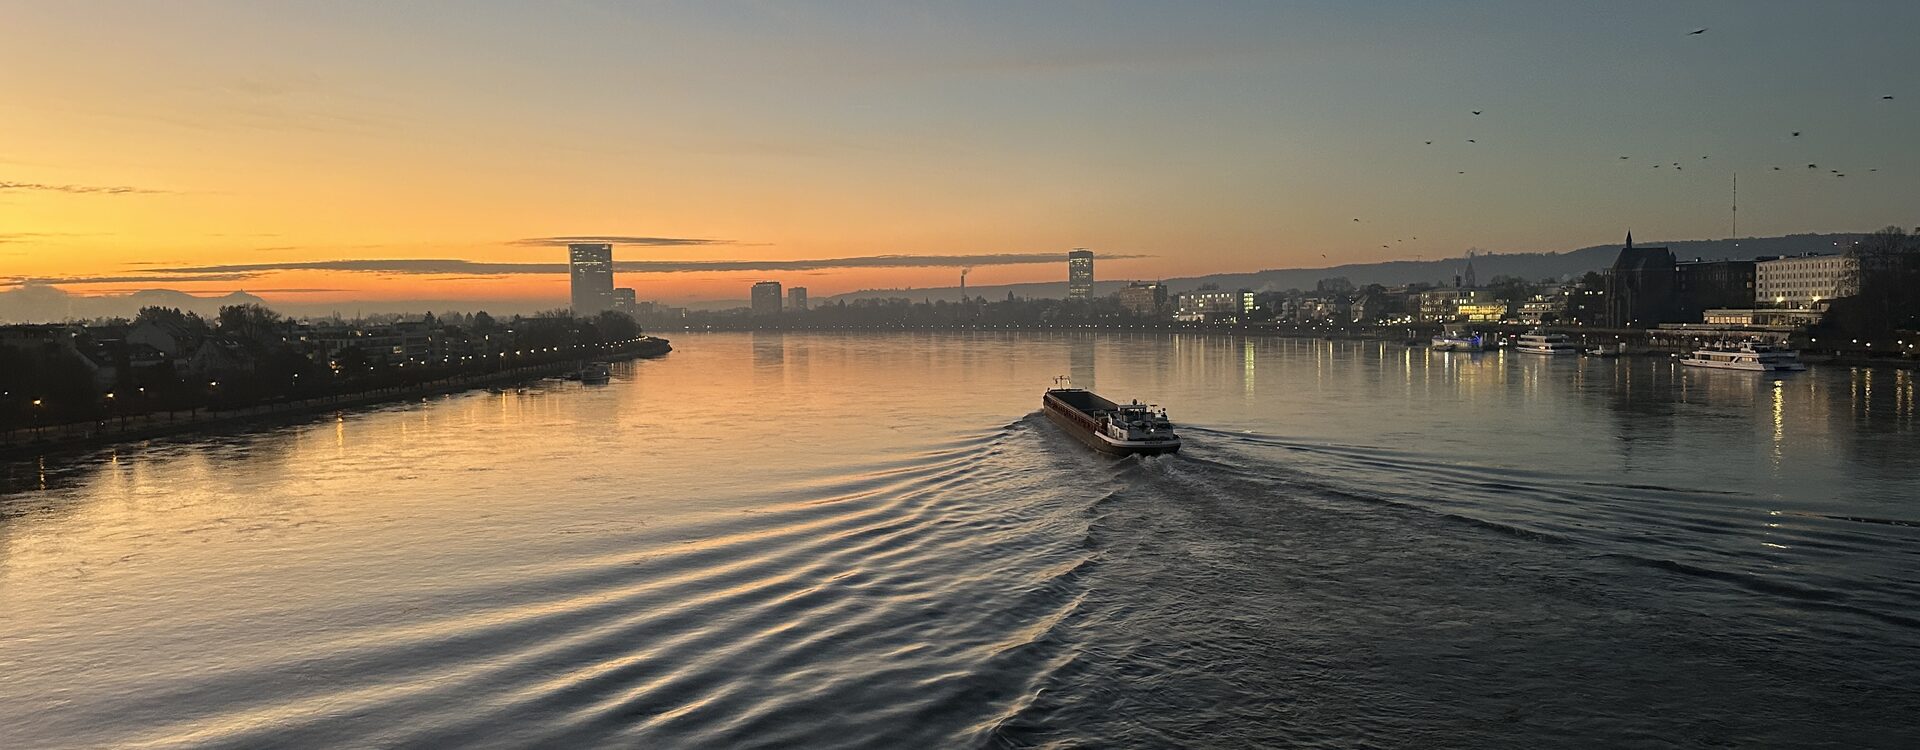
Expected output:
(1749, 356)
(1539, 342)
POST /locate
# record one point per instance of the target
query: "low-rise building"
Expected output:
(1145, 299)
(1214, 306)
(1702, 285)
(1542, 309)
(1456, 304)
(1775, 317)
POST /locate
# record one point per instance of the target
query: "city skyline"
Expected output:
(1232, 139)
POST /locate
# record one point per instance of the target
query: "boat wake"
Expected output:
(1259, 590)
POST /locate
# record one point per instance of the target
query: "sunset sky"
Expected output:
(159, 145)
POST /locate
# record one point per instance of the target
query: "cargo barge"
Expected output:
(1116, 429)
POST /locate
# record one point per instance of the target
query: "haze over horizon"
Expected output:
(355, 151)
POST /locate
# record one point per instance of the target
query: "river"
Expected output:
(874, 540)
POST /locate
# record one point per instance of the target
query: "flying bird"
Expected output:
(1463, 173)
(1696, 32)
(1470, 140)
(1776, 169)
(1356, 219)
(1703, 157)
(1476, 111)
(1796, 134)
(1887, 97)
(1429, 143)
(1813, 166)
(1623, 158)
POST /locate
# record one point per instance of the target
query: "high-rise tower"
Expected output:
(591, 268)
(766, 298)
(1080, 274)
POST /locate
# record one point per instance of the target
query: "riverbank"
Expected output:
(1638, 341)
(27, 442)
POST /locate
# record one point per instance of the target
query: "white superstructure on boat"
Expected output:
(1456, 341)
(1747, 356)
(1539, 342)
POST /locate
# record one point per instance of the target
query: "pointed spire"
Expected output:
(1629, 239)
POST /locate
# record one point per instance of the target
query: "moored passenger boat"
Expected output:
(1749, 356)
(596, 373)
(1540, 342)
(1457, 341)
(1118, 429)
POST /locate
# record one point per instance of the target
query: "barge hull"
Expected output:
(1076, 421)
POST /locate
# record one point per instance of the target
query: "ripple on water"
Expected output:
(923, 595)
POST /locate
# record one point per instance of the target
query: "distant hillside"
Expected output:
(45, 304)
(1526, 265)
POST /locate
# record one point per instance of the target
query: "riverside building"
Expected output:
(1803, 282)
(1144, 299)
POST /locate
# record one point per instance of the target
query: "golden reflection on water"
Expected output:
(1246, 349)
(1903, 393)
(1853, 392)
(1779, 424)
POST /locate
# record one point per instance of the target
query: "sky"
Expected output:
(327, 151)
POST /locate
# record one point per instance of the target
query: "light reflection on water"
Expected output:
(809, 539)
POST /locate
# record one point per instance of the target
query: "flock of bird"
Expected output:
(1675, 166)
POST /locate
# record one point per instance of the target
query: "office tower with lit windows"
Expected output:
(1080, 274)
(766, 298)
(591, 267)
(797, 299)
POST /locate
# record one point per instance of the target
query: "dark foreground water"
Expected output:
(875, 541)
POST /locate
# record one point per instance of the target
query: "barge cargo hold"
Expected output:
(1117, 429)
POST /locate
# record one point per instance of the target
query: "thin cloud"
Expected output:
(169, 278)
(236, 290)
(618, 239)
(450, 266)
(43, 187)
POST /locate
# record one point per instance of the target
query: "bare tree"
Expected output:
(1885, 274)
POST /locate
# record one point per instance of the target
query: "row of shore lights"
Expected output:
(517, 353)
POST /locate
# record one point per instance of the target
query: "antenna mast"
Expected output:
(1736, 209)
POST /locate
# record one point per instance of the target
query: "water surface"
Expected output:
(768, 540)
